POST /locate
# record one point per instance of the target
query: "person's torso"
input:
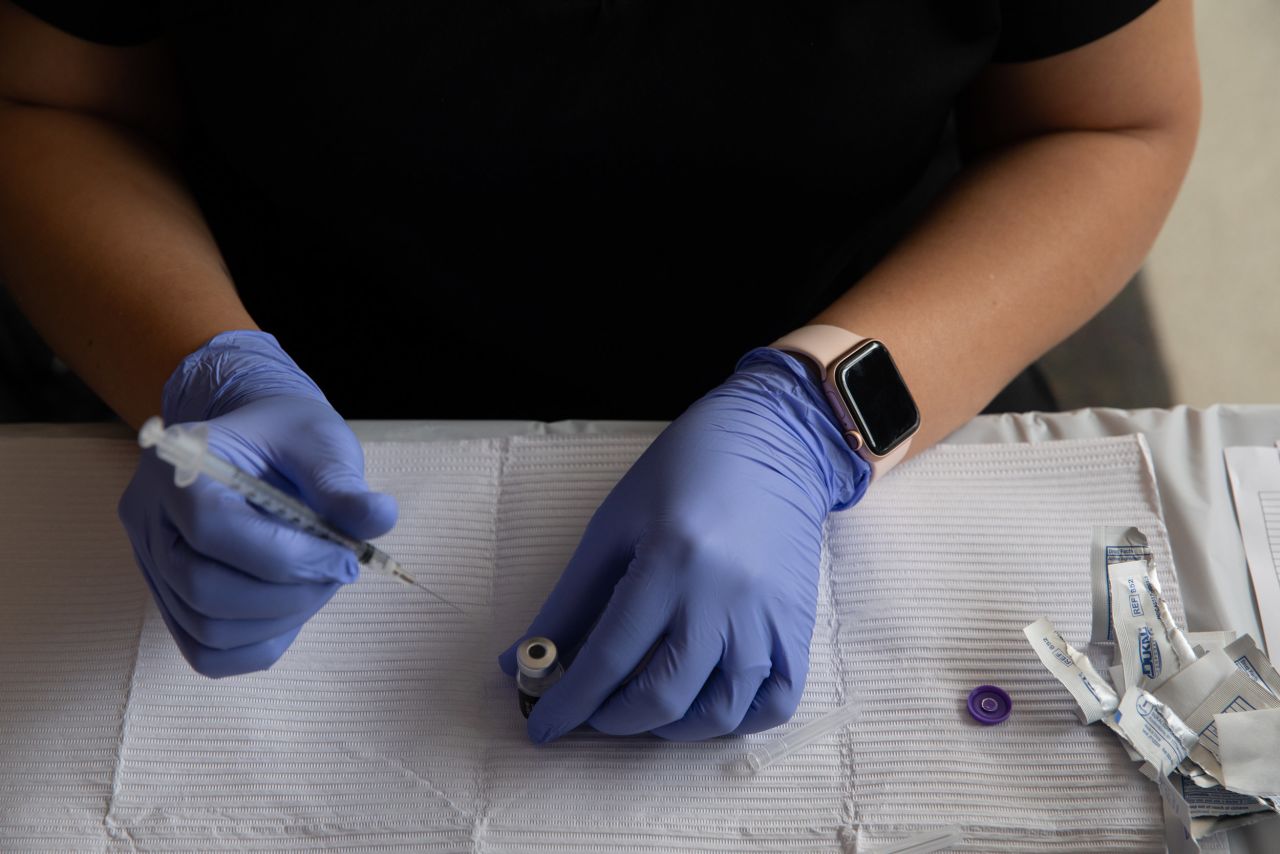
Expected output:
(559, 209)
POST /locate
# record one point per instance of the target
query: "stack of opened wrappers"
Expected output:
(1199, 711)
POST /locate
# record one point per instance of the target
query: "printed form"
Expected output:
(1255, 486)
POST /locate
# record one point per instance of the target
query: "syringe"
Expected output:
(188, 451)
(766, 754)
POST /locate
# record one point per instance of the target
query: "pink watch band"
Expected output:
(825, 345)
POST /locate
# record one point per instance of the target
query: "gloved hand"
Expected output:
(706, 552)
(233, 583)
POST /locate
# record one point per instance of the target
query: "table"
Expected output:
(1186, 447)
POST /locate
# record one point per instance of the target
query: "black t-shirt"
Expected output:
(563, 208)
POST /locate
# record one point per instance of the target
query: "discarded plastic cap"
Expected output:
(989, 704)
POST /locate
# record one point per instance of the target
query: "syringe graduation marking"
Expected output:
(188, 452)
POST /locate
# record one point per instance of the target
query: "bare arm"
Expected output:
(1079, 159)
(101, 244)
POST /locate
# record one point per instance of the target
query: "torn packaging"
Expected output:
(1093, 695)
(1192, 686)
(1154, 731)
(1205, 803)
(1170, 692)
(1152, 647)
(1200, 815)
(1245, 654)
(1249, 750)
(1111, 545)
(1237, 693)
(1206, 642)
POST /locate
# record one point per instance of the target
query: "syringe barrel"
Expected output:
(284, 505)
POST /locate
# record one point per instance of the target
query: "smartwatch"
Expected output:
(871, 402)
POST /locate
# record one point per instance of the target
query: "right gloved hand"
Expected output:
(235, 584)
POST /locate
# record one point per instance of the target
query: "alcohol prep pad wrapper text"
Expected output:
(1093, 695)
(1151, 646)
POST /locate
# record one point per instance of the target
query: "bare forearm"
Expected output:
(1028, 245)
(106, 252)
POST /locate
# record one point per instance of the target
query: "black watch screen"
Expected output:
(876, 395)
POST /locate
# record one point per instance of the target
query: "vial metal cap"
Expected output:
(536, 657)
(989, 704)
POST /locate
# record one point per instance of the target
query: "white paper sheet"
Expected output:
(388, 725)
(1255, 486)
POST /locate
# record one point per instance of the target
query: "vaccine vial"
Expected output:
(537, 669)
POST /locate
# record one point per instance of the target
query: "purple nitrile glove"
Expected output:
(233, 583)
(707, 553)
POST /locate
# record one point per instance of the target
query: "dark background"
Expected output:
(1113, 361)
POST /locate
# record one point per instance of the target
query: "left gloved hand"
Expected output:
(705, 553)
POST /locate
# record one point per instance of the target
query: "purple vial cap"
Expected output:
(989, 704)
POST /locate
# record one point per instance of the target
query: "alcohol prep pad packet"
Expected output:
(1154, 730)
(1192, 686)
(1094, 696)
(1170, 693)
(1245, 654)
(1237, 693)
(1248, 744)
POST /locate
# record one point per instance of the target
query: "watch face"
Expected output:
(877, 398)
